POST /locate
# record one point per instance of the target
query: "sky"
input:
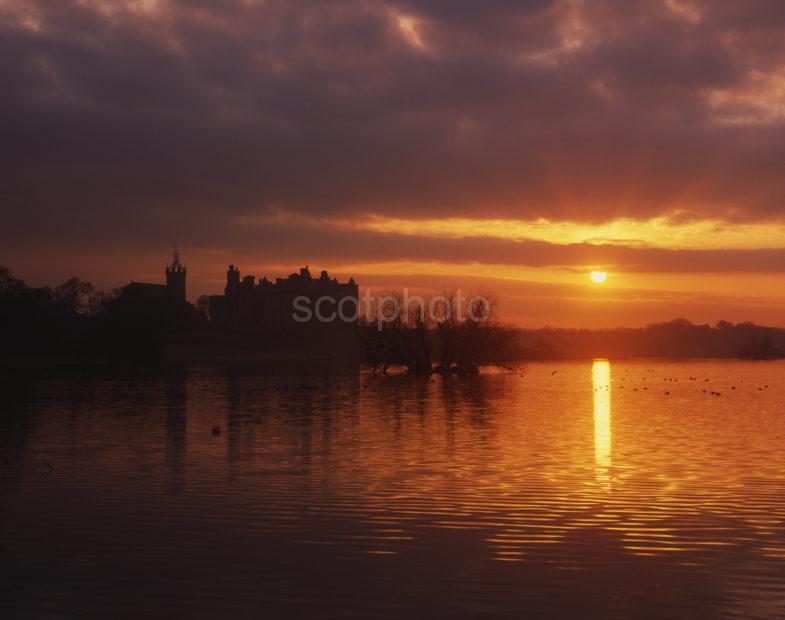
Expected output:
(498, 146)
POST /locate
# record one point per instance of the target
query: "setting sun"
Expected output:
(599, 276)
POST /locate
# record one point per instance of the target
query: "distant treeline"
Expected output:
(678, 338)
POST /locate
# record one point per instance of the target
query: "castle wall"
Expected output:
(268, 305)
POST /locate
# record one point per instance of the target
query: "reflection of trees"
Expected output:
(468, 395)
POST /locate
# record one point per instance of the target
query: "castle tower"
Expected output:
(175, 277)
(232, 280)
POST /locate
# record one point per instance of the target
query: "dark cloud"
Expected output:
(126, 116)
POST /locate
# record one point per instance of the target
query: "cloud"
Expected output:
(133, 122)
(287, 240)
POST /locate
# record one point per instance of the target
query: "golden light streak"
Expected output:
(659, 232)
(601, 381)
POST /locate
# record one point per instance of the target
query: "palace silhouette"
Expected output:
(247, 303)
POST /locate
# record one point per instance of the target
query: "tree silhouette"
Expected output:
(78, 297)
(443, 338)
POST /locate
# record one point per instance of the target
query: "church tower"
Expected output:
(175, 277)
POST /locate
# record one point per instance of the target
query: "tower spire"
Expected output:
(175, 275)
(176, 265)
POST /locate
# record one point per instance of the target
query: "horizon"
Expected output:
(505, 304)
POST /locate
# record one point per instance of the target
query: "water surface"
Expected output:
(612, 489)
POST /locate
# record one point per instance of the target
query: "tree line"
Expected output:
(76, 319)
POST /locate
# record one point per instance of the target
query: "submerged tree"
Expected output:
(464, 343)
(398, 337)
(443, 336)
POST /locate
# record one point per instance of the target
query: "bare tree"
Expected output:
(467, 342)
(399, 337)
(442, 337)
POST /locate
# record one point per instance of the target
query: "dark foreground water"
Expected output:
(577, 490)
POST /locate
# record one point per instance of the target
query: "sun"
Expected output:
(599, 276)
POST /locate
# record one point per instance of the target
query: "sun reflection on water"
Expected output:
(601, 379)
